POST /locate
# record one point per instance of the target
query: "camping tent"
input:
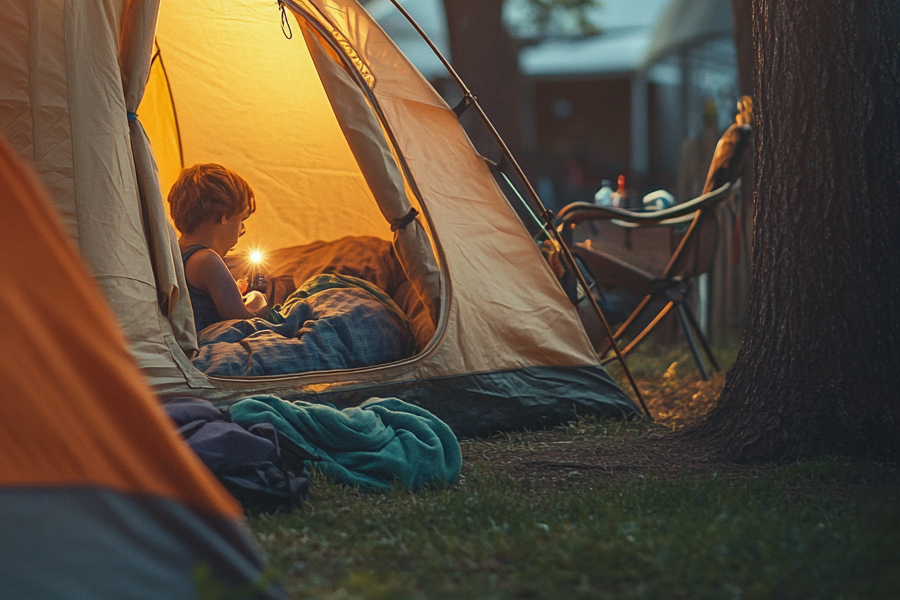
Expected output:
(339, 136)
(99, 497)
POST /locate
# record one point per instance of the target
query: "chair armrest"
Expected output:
(579, 212)
(682, 220)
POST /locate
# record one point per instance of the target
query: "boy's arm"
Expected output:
(208, 272)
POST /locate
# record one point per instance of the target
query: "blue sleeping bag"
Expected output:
(330, 322)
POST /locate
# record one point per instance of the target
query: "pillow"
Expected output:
(366, 257)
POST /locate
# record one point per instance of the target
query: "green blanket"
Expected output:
(381, 442)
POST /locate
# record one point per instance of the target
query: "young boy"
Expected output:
(209, 204)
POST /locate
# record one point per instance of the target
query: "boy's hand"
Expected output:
(260, 283)
(243, 285)
(256, 303)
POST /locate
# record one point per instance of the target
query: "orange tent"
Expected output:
(99, 496)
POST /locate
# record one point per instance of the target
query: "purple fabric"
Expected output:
(261, 468)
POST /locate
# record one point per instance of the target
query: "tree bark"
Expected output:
(486, 58)
(819, 369)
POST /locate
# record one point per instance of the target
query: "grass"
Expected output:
(823, 529)
(811, 530)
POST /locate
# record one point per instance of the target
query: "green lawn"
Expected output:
(574, 528)
(825, 529)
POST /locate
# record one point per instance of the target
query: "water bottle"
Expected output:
(603, 197)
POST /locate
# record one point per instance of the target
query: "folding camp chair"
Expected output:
(652, 258)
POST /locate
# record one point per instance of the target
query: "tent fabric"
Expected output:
(480, 403)
(249, 98)
(64, 110)
(135, 50)
(227, 86)
(94, 543)
(379, 168)
(96, 487)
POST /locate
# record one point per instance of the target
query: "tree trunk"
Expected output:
(819, 369)
(486, 58)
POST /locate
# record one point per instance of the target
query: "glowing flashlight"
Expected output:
(257, 279)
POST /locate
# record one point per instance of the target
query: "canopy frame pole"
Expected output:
(470, 100)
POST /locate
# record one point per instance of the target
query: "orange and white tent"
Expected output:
(99, 496)
(339, 135)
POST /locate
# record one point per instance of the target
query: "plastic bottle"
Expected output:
(603, 197)
(620, 196)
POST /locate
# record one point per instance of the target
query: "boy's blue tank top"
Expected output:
(205, 313)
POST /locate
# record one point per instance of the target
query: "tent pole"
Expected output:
(549, 225)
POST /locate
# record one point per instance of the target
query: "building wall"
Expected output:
(582, 135)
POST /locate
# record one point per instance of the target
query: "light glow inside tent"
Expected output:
(275, 126)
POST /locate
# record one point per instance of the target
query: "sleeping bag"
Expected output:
(330, 322)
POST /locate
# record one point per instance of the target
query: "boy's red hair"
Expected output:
(208, 192)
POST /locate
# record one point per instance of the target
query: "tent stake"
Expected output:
(470, 100)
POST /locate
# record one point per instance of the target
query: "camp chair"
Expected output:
(652, 258)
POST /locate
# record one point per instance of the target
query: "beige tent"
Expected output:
(339, 136)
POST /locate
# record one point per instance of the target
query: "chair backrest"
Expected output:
(728, 158)
(697, 245)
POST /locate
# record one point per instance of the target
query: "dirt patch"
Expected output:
(553, 459)
(584, 451)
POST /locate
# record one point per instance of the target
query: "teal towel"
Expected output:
(383, 441)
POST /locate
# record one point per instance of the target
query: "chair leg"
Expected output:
(703, 341)
(648, 328)
(639, 337)
(690, 340)
(634, 314)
